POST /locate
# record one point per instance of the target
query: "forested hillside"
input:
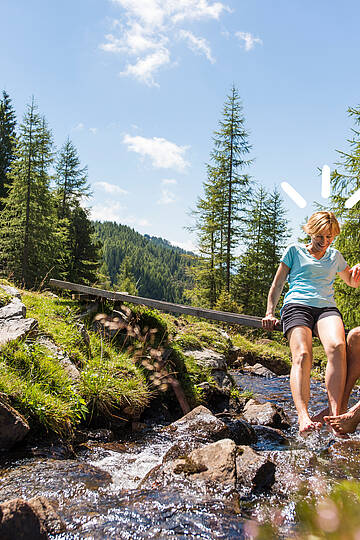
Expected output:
(143, 265)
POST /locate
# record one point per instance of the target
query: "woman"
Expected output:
(309, 309)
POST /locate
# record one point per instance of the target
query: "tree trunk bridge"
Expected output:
(224, 316)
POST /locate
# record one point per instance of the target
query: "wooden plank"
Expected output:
(224, 316)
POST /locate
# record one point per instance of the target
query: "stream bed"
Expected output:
(99, 497)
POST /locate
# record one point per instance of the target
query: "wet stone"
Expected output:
(254, 470)
(266, 414)
(13, 426)
(241, 432)
(199, 424)
(268, 437)
(259, 370)
(28, 520)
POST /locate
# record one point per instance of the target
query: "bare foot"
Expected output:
(306, 426)
(344, 423)
(319, 416)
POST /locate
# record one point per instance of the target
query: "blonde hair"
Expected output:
(320, 221)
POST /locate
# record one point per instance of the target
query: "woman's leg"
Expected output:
(300, 341)
(352, 373)
(348, 421)
(332, 335)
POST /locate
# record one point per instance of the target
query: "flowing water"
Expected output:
(99, 497)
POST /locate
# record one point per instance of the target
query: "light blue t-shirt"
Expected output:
(310, 280)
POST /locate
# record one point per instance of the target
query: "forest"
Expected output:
(241, 227)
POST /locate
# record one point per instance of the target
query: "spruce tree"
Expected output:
(265, 237)
(220, 214)
(70, 178)
(27, 233)
(79, 249)
(229, 159)
(7, 144)
(125, 279)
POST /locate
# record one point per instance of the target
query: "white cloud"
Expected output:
(111, 188)
(147, 31)
(109, 211)
(198, 45)
(114, 211)
(167, 181)
(163, 154)
(144, 68)
(249, 40)
(80, 127)
(167, 197)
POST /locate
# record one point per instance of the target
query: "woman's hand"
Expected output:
(355, 272)
(269, 322)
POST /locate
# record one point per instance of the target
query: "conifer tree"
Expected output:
(229, 159)
(345, 182)
(71, 178)
(125, 279)
(79, 257)
(7, 143)
(221, 212)
(266, 233)
(27, 234)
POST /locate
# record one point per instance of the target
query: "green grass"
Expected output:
(279, 351)
(110, 381)
(201, 334)
(39, 388)
(5, 298)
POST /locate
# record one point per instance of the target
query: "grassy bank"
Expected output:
(117, 380)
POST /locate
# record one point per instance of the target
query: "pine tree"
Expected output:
(7, 143)
(71, 178)
(125, 279)
(220, 213)
(27, 234)
(267, 231)
(79, 258)
(231, 146)
(345, 182)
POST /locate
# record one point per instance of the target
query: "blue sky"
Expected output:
(139, 86)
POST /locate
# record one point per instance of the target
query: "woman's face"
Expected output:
(322, 240)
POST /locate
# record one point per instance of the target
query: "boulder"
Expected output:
(254, 470)
(199, 424)
(13, 426)
(273, 363)
(14, 310)
(61, 357)
(216, 362)
(11, 329)
(260, 370)
(215, 462)
(10, 290)
(241, 432)
(212, 465)
(269, 437)
(209, 359)
(29, 520)
(222, 379)
(266, 414)
(296, 469)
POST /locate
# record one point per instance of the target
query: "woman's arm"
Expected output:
(351, 276)
(276, 288)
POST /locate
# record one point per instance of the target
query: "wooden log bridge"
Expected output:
(224, 316)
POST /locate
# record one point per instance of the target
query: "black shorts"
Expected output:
(300, 315)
